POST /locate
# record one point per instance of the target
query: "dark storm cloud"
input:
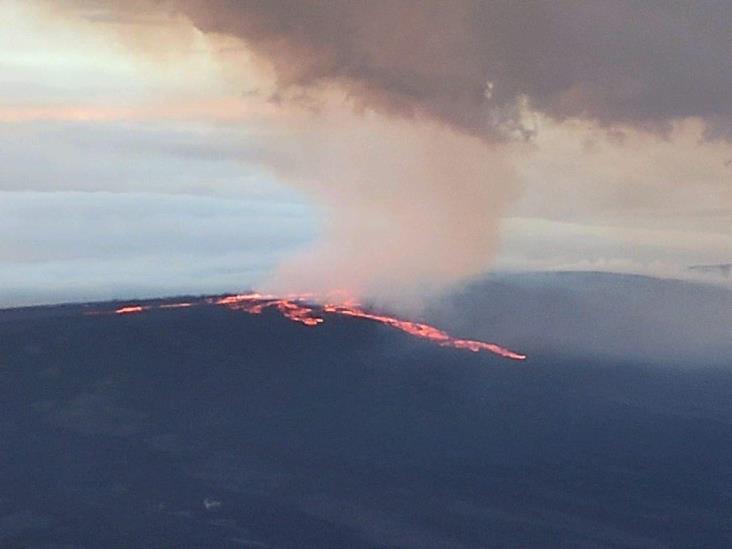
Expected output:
(470, 64)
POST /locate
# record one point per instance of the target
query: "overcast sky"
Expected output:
(147, 153)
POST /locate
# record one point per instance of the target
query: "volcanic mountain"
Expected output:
(188, 423)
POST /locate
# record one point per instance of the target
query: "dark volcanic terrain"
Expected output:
(206, 427)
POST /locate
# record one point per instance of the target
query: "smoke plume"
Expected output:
(413, 100)
(475, 65)
(412, 206)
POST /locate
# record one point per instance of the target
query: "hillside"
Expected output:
(207, 427)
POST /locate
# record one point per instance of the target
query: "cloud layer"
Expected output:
(478, 65)
(85, 246)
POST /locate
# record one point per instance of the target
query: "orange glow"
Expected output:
(299, 309)
(294, 308)
(224, 109)
(425, 331)
(176, 305)
(130, 310)
(291, 308)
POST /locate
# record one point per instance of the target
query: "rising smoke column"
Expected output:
(411, 199)
(411, 206)
(411, 188)
(412, 98)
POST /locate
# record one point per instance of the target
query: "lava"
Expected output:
(290, 307)
(426, 331)
(131, 310)
(296, 309)
(299, 308)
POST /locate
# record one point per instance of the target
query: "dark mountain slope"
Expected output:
(206, 427)
(619, 317)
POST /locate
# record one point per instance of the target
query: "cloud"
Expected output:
(172, 156)
(83, 245)
(645, 64)
(541, 244)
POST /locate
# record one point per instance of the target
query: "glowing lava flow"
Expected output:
(298, 309)
(427, 332)
(295, 308)
(131, 310)
(291, 307)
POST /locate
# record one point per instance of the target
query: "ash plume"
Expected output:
(411, 207)
(407, 159)
(474, 64)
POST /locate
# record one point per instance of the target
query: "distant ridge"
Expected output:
(722, 269)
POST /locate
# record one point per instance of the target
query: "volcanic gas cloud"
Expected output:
(389, 149)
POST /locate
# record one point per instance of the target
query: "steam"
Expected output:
(411, 198)
(398, 111)
(476, 65)
(411, 206)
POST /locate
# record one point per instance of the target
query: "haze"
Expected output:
(213, 146)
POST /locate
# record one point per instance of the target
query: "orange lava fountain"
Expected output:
(298, 309)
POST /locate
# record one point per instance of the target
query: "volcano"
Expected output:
(186, 423)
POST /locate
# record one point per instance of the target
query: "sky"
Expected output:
(213, 147)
